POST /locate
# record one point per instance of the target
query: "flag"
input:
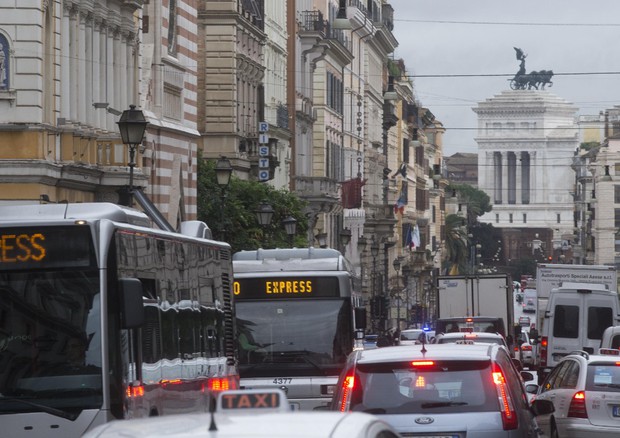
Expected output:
(409, 238)
(399, 207)
(352, 193)
(416, 237)
(402, 171)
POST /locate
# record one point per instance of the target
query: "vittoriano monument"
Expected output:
(534, 79)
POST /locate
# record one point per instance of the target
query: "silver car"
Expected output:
(454, 390)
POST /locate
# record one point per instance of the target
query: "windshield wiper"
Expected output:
(47, 409)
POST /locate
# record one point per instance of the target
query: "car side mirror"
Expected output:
(542, 407)
(527, 376)
(531, 388)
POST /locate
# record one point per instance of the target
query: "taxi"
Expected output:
(585, 391)
(250, 413)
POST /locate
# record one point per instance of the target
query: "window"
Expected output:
(4, 63)
(599, 318)
(566, 321)
(172, 27)
(558, 218)
(525, 218)
(616, 192)
(497, 218)
(510, 217)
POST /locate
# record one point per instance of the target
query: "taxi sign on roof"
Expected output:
(252, 400)
(609, 351)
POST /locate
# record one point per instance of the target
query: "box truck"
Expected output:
(485, 295)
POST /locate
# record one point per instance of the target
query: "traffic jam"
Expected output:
(464, 377)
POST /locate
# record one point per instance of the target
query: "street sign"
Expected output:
(263, 151)
(263, 175)
(263, 163)
(263, 127)
(263, 138)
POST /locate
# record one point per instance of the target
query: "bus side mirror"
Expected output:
(132, 307)
(360, 318)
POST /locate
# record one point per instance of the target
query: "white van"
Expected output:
(611, 338)
(576, 316)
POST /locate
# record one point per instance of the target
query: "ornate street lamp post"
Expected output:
(223, 171)
(132, 125)
(345, 239)
(290, 226)
(264, 213)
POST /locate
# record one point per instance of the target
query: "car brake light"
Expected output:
(509, 415)
(543, 351)
(347, 388)
(526, 348)
(422, 363)
(577, 408)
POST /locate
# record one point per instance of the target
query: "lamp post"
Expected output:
(223, 171)
(290, 226)
(345, 239)
(374, 252)
(322, 239)
(264, 213)
(132, 125)
(396, 264)
(406, 273)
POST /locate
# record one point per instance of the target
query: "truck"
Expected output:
(550, 276)
(576, 303)
(484, 295)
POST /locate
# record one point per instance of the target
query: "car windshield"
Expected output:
(603, 377)
(437, 387)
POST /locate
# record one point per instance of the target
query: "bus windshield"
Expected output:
(50, 347)
(293, 337)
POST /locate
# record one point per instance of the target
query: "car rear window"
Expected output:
(424, 387)
(603, 377)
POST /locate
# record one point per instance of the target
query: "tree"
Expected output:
(455, 260)
(233, 217)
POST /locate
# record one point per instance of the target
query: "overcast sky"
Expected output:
(477, 37)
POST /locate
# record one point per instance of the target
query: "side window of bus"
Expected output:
(599, 318)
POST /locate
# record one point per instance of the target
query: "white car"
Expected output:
(416, 336)
(585, 391)
(525, 349)
(250, 413)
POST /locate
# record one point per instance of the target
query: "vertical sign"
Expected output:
(263, 152)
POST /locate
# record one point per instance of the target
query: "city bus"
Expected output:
(104, 316)
(298, 318)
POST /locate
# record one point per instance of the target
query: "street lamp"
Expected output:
(396, 264)
(132, 125)
(223, 171)
(345, 239)
(290, 226)
(264, 213)
(322, 239)
(374, 252)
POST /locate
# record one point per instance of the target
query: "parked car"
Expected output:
(250, 413)
(585, 391)
(457, 389)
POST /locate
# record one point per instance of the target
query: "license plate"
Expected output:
(616, 411)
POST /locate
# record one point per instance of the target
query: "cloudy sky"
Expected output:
(440, 38)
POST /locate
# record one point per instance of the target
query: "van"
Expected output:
(611, 338)
(575, 318)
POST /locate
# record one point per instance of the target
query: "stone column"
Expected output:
(518, 181)
(504, 161)
(65, 65)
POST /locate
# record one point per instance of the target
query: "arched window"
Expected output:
(4, 63)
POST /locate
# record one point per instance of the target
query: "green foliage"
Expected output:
(456, 253)
(230, 212)
(476, 201)
(586, 146)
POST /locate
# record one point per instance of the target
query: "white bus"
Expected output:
(296, 317)
(103, 316)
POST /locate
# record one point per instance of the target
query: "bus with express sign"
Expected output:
(298, 318)
(104, 316)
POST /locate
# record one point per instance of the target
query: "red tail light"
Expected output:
(221, 383)
(526, 348)
(135, 391)
(347, 388)
(577, 408)
(543, 351)
(509, 415)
